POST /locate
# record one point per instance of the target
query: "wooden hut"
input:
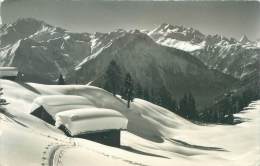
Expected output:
(9, 73)
(96, 124)
(77, 117)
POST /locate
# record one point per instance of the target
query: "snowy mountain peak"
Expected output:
(26, 25)
(244, 40)
(28, 21)
(178, 32)
(166, 26)
(190, 39)
(48, 49)
(187, 39)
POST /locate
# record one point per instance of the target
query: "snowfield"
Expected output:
(154, 135)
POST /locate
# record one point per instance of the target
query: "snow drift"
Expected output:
(154, 137)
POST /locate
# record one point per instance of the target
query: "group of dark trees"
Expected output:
(220, 112)
(159, 97)
(115, 84)
(187, 107)
(113, 79)
(230, 103)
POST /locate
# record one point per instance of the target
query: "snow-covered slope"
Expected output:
(227, 55)
(99, 41)
(155, 135)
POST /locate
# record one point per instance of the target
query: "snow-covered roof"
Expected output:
(8, 71)
(54, 104)
(79, 121)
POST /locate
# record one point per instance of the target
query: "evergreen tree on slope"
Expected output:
(113, 78)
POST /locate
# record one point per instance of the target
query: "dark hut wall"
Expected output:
(44, 115)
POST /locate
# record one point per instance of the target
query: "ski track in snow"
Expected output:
(53, 153)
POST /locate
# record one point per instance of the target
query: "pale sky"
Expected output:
(231, 19)
(0, 12)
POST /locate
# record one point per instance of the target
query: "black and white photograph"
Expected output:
(129, 83)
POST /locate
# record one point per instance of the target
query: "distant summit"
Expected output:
(244, 40)
(216, 51)
(187, 39)
(48, 50)
(190, 39)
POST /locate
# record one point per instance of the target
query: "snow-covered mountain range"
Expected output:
(227, 55)
(187, 39)
(42, 52)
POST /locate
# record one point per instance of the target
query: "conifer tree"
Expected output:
(61, 80)
(191, 107)
(165, 98)
(183, 106)
(128, 89)
(139, 92)
(187, 106)
(113, 78)
(146, 95)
